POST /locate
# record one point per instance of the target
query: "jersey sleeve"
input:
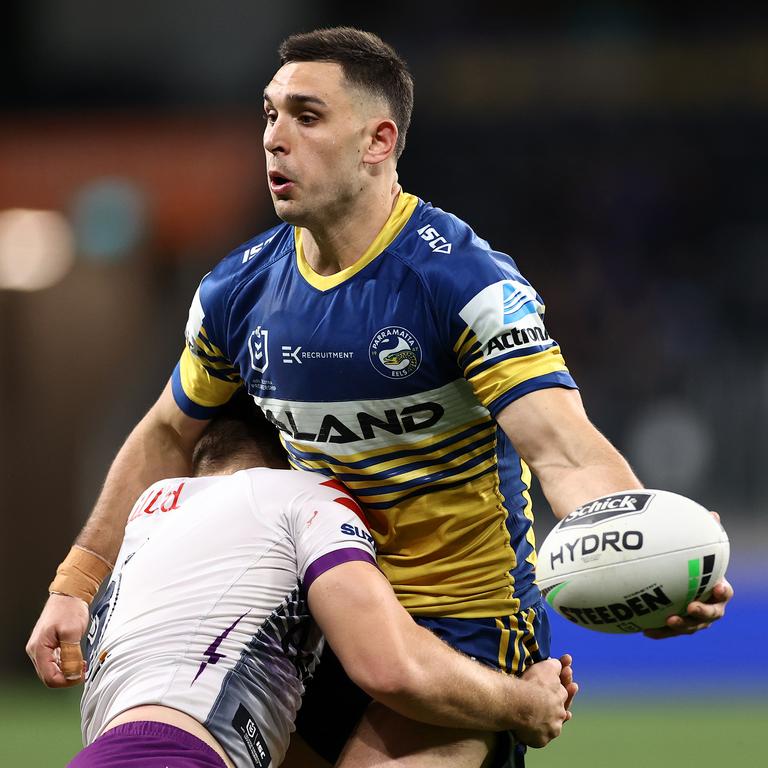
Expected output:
(205, 378)
(493, 320)
(329, 529)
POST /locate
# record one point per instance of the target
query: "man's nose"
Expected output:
(275, 137)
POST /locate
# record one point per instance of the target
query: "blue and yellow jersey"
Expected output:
(388, 375)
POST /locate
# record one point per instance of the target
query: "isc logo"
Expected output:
(436, 241)
(251, 252)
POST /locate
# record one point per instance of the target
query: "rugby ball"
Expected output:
(625, 562)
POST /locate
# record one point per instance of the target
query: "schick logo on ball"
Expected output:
(607, 507)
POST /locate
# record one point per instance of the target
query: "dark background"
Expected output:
(616, 151)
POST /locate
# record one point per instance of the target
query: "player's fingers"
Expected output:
(707, 612)
(566, 660)
(714, 514)
(550, 665)
(722, 592)
(682, 627)
(572, 689)
(46, 661)
(72, 664)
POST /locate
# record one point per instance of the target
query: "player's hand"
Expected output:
(545, 700)
(699, 614)
(54, 645)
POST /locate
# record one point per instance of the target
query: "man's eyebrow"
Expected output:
(300, 98)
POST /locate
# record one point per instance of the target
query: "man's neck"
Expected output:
(234, 464)
(330, 248)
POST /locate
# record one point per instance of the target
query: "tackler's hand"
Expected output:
(546, 697)
(54, 645)
(567, 681)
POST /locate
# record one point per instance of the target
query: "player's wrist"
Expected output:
(80, 574)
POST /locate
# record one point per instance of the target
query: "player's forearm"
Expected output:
(595, 470)
(437, 685)
(403, 665)
(571, 459)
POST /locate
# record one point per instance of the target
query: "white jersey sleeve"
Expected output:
(329, 528)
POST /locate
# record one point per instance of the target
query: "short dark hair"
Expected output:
(366, 60)
(238, 429)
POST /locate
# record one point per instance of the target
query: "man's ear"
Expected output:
(382, 141)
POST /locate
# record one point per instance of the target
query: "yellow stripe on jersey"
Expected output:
(204, 343)
(431, 462)
(466, 342)
(455, 539)
(386, 451)
(470, 347)
(530, 536)
(503, 644)
(458, 345)
(402, 211)
(364, 491)
(531, 644)
(202, 388)
(514, 626)
(491, 384)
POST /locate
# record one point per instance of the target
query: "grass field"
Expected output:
(39, 729)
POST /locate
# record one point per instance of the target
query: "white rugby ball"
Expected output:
(625, 562)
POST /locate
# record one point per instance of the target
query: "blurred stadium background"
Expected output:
(617, 152)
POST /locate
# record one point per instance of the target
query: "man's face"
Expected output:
(315, 139)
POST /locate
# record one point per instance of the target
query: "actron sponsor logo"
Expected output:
(607, 507)
(591, 544)
(516, 338)
(333, 429)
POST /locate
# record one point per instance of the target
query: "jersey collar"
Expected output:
(401, 213)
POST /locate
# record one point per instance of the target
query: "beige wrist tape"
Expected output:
(80, 575)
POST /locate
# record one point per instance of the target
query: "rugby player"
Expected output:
(201, 642)
(397, 351)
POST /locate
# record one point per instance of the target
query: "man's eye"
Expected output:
(307, 119)
(269, 117)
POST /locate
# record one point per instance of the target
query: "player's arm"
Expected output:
(571, 459)
(159, 446)
(414, 673)
(575, 464)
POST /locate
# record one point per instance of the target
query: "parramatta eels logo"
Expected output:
(395, 352)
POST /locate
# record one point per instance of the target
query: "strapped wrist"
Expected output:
(80, 574)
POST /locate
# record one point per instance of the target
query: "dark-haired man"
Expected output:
(202, 640)
(397, 351)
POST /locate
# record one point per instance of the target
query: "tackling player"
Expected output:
(202, 640)
(395, 350)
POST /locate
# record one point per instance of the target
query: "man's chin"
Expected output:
(288, 211)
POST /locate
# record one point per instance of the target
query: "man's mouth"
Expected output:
(279, 183)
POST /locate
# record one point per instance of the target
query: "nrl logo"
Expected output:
(257, 346)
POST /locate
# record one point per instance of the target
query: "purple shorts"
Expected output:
(147, 744)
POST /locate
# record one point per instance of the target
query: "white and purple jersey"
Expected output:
(206, 610)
